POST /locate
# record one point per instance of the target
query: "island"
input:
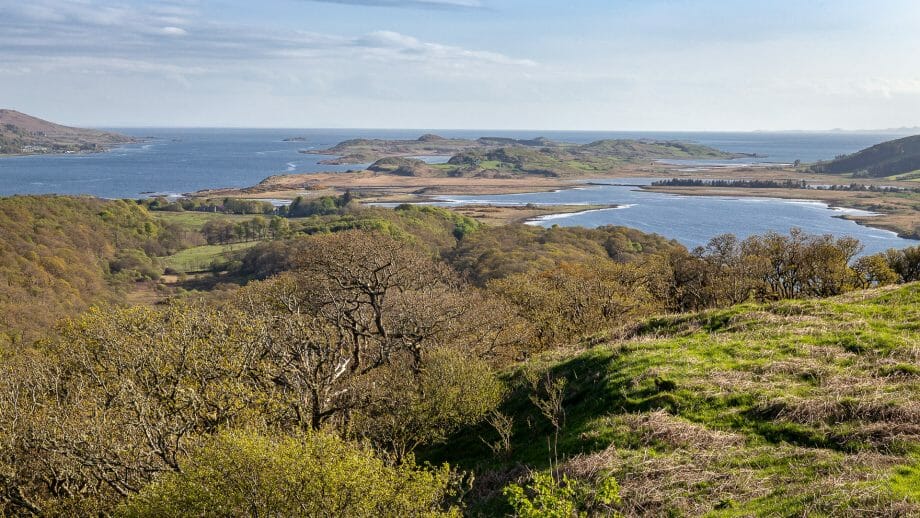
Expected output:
(22, 134)
(365, 151)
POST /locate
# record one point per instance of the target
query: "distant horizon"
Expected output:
(529, 130)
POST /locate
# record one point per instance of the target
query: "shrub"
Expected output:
(247, 474)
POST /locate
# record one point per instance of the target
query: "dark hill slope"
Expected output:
(890, 158)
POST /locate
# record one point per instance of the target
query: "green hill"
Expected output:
(784, 409)
(892, 158)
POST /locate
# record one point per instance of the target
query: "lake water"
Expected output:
(175, 161)
(693, 220)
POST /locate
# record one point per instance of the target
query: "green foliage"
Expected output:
(905, 480)
(246, 474)
(224, 230)
(325, 206)
(905, 263)
(224, 206)
(371, 338)
(453, 391)
(429, 227)
(546, 497)
(769, 267)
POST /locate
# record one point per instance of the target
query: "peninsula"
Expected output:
(22, 134)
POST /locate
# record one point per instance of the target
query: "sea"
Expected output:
(174, 161)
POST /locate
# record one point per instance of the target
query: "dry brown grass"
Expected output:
(700, 470)
(661, 427)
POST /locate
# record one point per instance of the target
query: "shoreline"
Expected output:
(564, 215)
(833, 200)
(106, 149)
(891, 213)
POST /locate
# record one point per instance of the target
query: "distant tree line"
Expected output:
(226, 231)
(300, 207)
(779, 184)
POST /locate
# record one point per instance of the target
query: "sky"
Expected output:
(709, 65)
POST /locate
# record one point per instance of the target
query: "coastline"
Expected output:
(103, 149)
(563, 215)
(890, 213)
(884, 211)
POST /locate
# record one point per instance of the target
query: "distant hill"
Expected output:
(22, 134)
(892, 158)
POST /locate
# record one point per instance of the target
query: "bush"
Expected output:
(247, 474)
(546, 497)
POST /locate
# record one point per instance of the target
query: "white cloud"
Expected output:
(174, 31)
(97, 29)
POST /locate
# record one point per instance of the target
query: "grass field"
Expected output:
(191, 220)
(796, 408)
(201, 257)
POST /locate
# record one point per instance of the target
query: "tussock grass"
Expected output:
(790, 408)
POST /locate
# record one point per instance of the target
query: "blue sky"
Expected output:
(489, 64)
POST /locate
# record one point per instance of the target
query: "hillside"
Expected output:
(791, 408)
(27, 135)
(58, 255)
(899, 157)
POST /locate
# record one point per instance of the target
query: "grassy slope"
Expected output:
(791, 408)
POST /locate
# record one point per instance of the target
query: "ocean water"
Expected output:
(176, 161)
